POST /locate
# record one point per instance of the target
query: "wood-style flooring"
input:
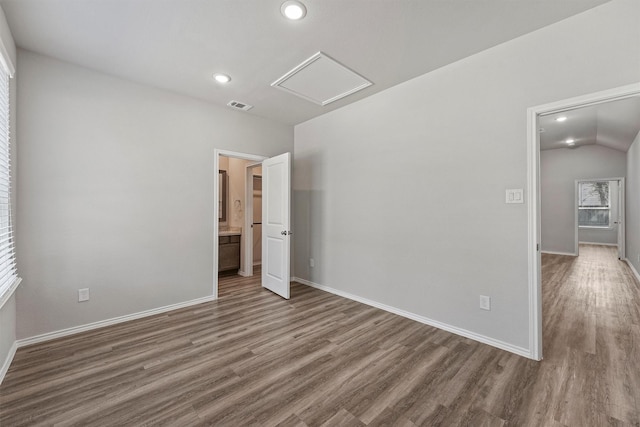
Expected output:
(252, 358)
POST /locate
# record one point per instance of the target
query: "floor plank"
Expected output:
(252, 358)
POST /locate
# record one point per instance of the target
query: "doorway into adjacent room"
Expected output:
(600, 213)
(252, 227)
(576, 167)
(253, 220)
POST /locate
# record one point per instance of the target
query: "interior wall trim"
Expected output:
(8, 360)
(558, 253)
(108, 322)
(598, 243)
(520, 351)
(633, 269)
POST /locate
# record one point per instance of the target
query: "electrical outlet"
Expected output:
(485, 302)
(83, 294)
(638, 257)
(312, 262)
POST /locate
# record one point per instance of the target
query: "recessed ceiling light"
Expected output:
(570, 141)
(293, 10)
(561, 119)
(222, 78)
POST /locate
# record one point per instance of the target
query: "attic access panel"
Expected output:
(321, 80)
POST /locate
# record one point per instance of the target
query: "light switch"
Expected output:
(485, 302)
(514, 195)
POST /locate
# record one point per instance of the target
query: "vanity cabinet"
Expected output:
(228, 253)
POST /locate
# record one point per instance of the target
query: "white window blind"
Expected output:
(8, 273)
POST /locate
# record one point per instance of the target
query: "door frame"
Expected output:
(620, 241)
(622, 216)
(216, 166)
(533, 197)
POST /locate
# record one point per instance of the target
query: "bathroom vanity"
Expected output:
(229, 249)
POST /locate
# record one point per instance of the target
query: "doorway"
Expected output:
(253, 219)
(600, 213)
(276, 201)
(534, 115)
(230, 199)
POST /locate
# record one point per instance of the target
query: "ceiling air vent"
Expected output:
(240, 105)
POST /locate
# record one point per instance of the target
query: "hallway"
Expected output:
(591, 336)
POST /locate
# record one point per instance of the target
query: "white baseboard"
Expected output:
(8, 360)
(598, 244)
(633, 269)
(108, 322)
(444, 326)
(558, 253)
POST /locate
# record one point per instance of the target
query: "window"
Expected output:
(594, 207)
(8, 275)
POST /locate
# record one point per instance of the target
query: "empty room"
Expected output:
(319, 213)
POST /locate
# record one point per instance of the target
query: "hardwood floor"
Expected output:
(252, 358)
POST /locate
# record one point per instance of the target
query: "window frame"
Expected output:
(8, 286)
(581, 207)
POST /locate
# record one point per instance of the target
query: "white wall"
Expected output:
(633, 204)
(399, 197)
(257, 219)
(235, 189)
(237, 205)
(116, 192)
(558, 171)
(8, 310)
(237, 186)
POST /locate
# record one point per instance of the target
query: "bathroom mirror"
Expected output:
(222, 196)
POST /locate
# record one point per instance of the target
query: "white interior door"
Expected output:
(621, 220)
(276, 195)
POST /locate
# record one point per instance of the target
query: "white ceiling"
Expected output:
(179, 44)
(612, 124)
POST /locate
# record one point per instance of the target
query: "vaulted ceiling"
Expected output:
(613, 124)
(179, 44)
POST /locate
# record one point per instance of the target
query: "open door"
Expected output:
(276, 195)
(621, 220)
